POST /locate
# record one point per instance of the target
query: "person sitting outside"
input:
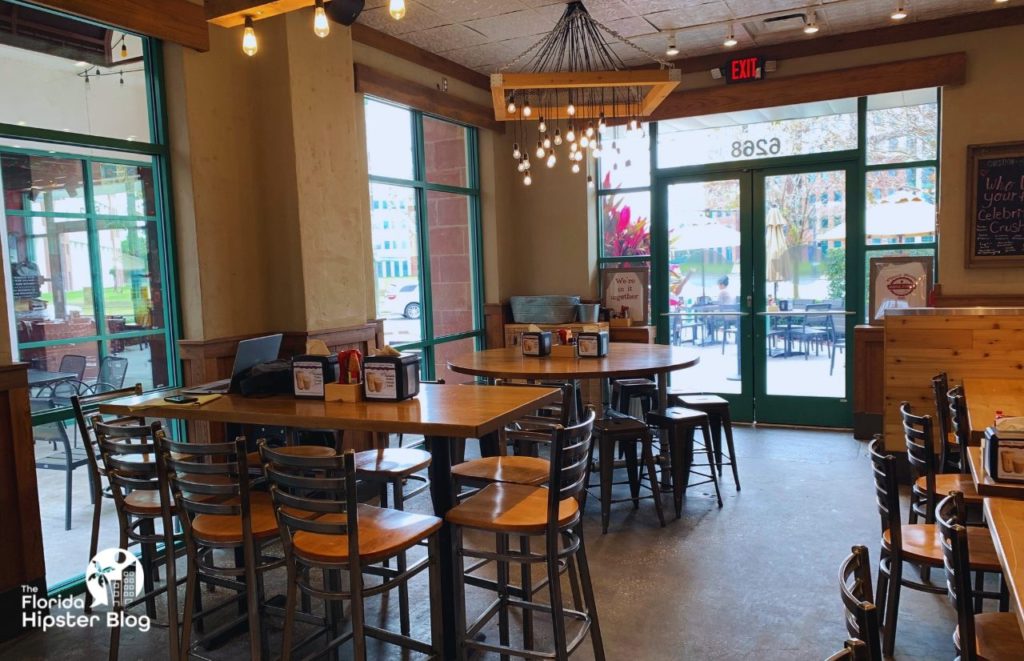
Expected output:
(724, 297)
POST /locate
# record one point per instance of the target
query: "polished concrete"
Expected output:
(754, 580)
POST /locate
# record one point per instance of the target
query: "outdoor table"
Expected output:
(1006, 524)
(624, 360)
(983, 480)
(38, 378)
(736, 314)
(986, 396)
(441, 413)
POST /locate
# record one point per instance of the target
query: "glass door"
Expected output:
(802, 218)
(708, 284)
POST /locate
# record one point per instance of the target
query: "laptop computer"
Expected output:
(250, 352)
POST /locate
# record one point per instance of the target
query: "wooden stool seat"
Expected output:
(391, 461)
(383, 533)
(511, 508)
(922, 544)
(143, 502)
(512, 468)
(946, 482)
(223, 528)
(998, 636)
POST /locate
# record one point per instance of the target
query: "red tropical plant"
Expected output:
(624, 235)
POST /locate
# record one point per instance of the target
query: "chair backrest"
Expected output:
(853, 650)
(855, 592)
(570, 462)
(206, 478)
(313, 494)
(84, 405)
(112, 373)
(128, 452)
(819, 319)
(956, 560)
(917, 430)
(948, 456)
(958, 418)
(75, 364)
(887, 495)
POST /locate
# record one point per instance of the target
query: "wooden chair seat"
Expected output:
(946, 482)
(145, 503)
(513, 468)
(921, 544)
(390, 462)
(998, 636)
(227, 528)
(383, 533)
(511, 508)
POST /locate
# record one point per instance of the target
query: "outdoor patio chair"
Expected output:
(112, 373)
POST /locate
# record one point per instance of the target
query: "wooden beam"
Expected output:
(179, 21)
(895, 34)
(935, 71)
(232, 13)
(402, 90)
(406, 51)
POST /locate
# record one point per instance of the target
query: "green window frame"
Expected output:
(421, 187)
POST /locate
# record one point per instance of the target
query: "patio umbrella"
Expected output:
(705, 236)
(905, 216)
(775, 249)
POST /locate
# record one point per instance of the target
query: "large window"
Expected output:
(424, 211)
(88, 241)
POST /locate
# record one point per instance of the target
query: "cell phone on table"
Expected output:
(181, 399)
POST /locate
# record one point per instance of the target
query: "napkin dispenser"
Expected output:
(1004, 455)
(310, 374)
(592, 345)
(536, 343)
(391, 378)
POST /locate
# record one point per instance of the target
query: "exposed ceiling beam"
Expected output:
(179, 21)
(232, 13)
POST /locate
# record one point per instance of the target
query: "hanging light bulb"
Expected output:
(527, 179)
(540, 149)
(249, 45)
(527, 110)
(542, 126)
(812, 24)
(900, 13)
(571, 109)
(601, 125)
(573, 148)
(124, 49)
(397, 9)
(321, 27)
(558, 137)
(575, 168)
(596, 151)
(584, 142)
(516, 154)
(578, 156)
(511, 108)
(634, 124)
(547, 141)
(552, 159)
(590, 182)
(521, 166)
(571, 135)
(590, 130)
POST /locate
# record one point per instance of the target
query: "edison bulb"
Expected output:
(516, 154)
(590, 181)
(552, 160)
(527, 179)
(540, 150)
(571, 135)
(575, 168)
(542, 127)
(397, 9)
(573, 147)
(547, 142)
(522, 166)
(249, 45)
(558, 137)
(633, 124)
(527, 110)
(571, 110)
(511, 108)
(321, 27)
(590, 130)
(578, 156)
(584, 142)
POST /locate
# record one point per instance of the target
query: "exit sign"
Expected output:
(744, 69)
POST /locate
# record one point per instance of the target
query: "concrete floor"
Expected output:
(754, 580)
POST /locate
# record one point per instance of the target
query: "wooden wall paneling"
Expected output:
(868, 381)
(21, 546)
(935, 71)
(919, 347)
(179, 21)
(402, 90)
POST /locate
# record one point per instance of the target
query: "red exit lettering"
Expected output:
(747, 68)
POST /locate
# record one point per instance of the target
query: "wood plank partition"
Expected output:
(21, 545)
(868, 380)
(979, 342)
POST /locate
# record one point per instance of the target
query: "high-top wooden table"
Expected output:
(440, 412)
(624, 360)
(985, 396)
(1006, 523)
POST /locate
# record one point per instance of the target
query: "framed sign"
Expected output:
(898, 282)
(995, 205)
(626, 289)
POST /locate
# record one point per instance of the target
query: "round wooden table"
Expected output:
(624, 360)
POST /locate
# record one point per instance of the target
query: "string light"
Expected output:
(321, 27)
(249, 44)
(397, 9)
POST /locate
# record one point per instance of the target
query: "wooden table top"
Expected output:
(986, 396)
(1006, 523)
(459, 411)
(623, 360)
(984, 482)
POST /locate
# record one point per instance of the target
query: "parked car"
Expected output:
(403, 300)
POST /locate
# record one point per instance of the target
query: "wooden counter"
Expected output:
(986, 396)
(1006, 522)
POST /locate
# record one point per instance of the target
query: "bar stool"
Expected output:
(680, 423)
(717, 409)
(627, 391)
(627, 432)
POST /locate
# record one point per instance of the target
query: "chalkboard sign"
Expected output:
(995, 205)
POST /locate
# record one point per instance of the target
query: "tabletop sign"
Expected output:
(744, 69)
(626, 289)
(995, 205)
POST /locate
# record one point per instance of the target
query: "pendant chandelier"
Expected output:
(572, 84)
